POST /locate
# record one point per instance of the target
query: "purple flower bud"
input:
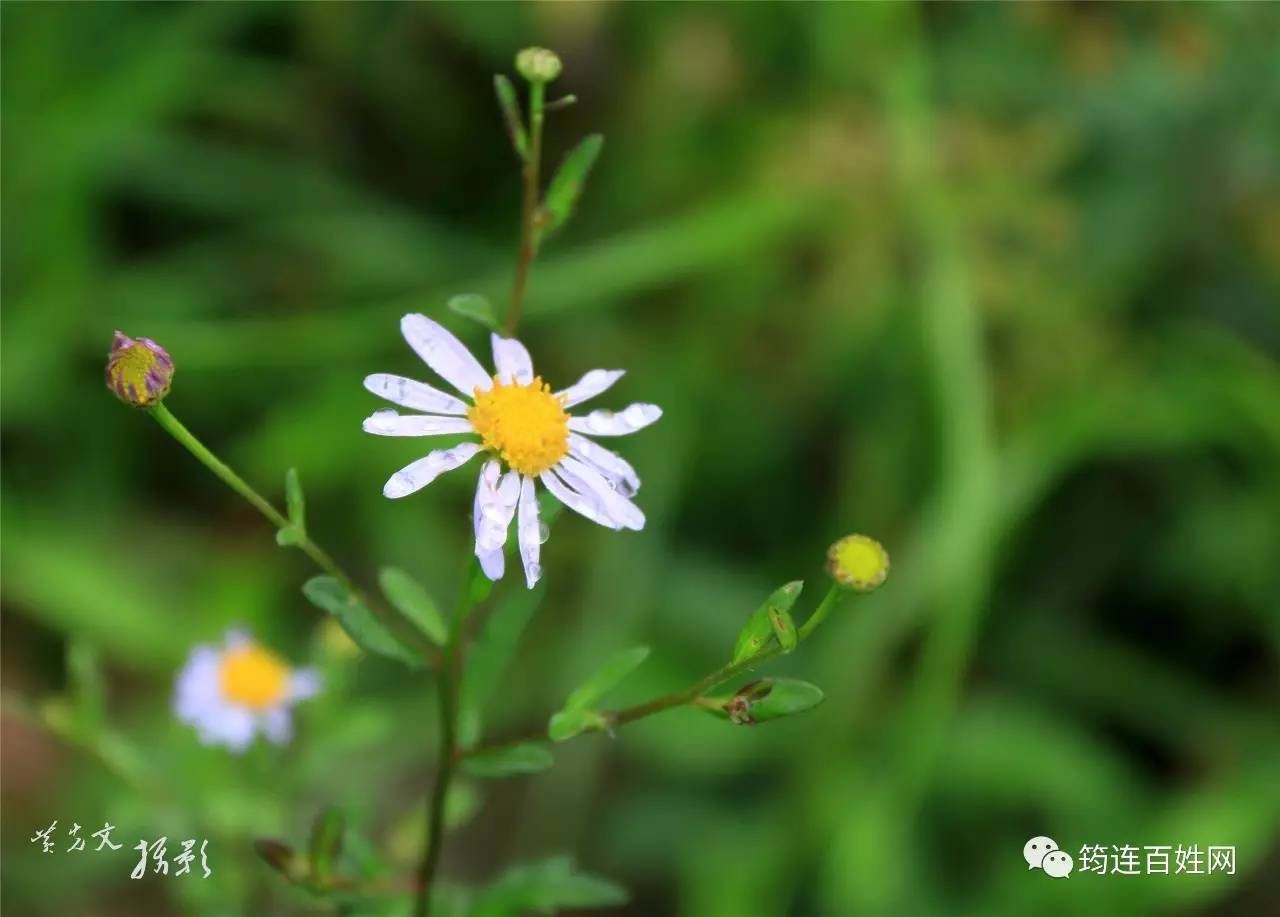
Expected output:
(139, 371)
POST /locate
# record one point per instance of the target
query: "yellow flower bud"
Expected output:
(538, 65)
(858, 562)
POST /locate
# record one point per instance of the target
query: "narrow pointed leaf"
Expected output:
(357, 620)
(606, 677)
(509, 102)
(294, 500)
(475, 307)
(566, 186)
(784, 628)
(326, 842)
(759, 629)
(568, 723)
(511, 761)
(414, 602)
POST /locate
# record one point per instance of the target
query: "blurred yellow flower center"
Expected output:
(859, 562)
(254, 677)
(129, 368)
(525, 424)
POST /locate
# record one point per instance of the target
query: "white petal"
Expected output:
(303, 683)
(589, 482)
(389, 423)
(610, 464)
(587, 505)
(529, 530)
(444, 353)
(590, 385)
(278, 725)
(512, 360)
(411, 394)
(495, 504)
(417, 475)
(610, 423)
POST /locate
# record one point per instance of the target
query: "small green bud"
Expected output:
(538, 65)
(858, 562)
(139, 371)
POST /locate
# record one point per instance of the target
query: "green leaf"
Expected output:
(294, 500)
(510, 105)
(606, 677)
(289, 537)
(475, 307)
(759, 629)
(326, 841)
(497, 643)
(568, 723)
(414, 602)
(784, 628)
(526, 758)
(282, 858)
(546, 887)
(88, 689)
(357, 620)
(771, 699)
(566, 185)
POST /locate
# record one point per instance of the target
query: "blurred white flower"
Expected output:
(521, 423)
(232, 692)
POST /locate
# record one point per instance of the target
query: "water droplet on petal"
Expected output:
(544, 532)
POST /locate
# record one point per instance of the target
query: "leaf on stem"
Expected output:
(566, 185)
(510, 761)
(759, 629)
(606, 677)
(784, 628)
(568, 723)
(357, 620)
(414, 602)
(510, 105)
(296, 532)
(326, 842)
(475, 307)
(771, 699)
(546, 887)
(282, 858)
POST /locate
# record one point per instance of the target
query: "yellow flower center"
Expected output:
(254, 677)
(524, 424)
(858, 562)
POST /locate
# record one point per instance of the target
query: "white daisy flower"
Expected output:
(522, 424)
(232, 692)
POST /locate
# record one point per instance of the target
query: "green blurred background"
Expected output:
(997, 284)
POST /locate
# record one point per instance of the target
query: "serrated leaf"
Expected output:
(784, 628)
(326, 841)
(510, 105)
(606, 677)
(294, 500)
(758, 631)
(568, 723)
(525, 758)
(475, 307)
(546, 888)
(566, 185)
(414, 602)
(357, 620)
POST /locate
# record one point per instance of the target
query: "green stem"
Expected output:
(450, 680)
(695, 691)
(529, 210)
(322, 559)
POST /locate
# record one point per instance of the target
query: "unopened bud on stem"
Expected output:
(139, 371)
(538, 65)
(858, 562)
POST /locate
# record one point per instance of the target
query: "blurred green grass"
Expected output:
(997, 284)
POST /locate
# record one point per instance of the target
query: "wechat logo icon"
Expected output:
(1043, 853)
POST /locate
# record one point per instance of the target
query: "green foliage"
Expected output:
(326, 842)
(509, 761)
(567, 184)
(296, 531)
(773, 618)
(606, 678)
(361, 625)
(509, 103)
(475, 307)
(546, 887)
(409, 598)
